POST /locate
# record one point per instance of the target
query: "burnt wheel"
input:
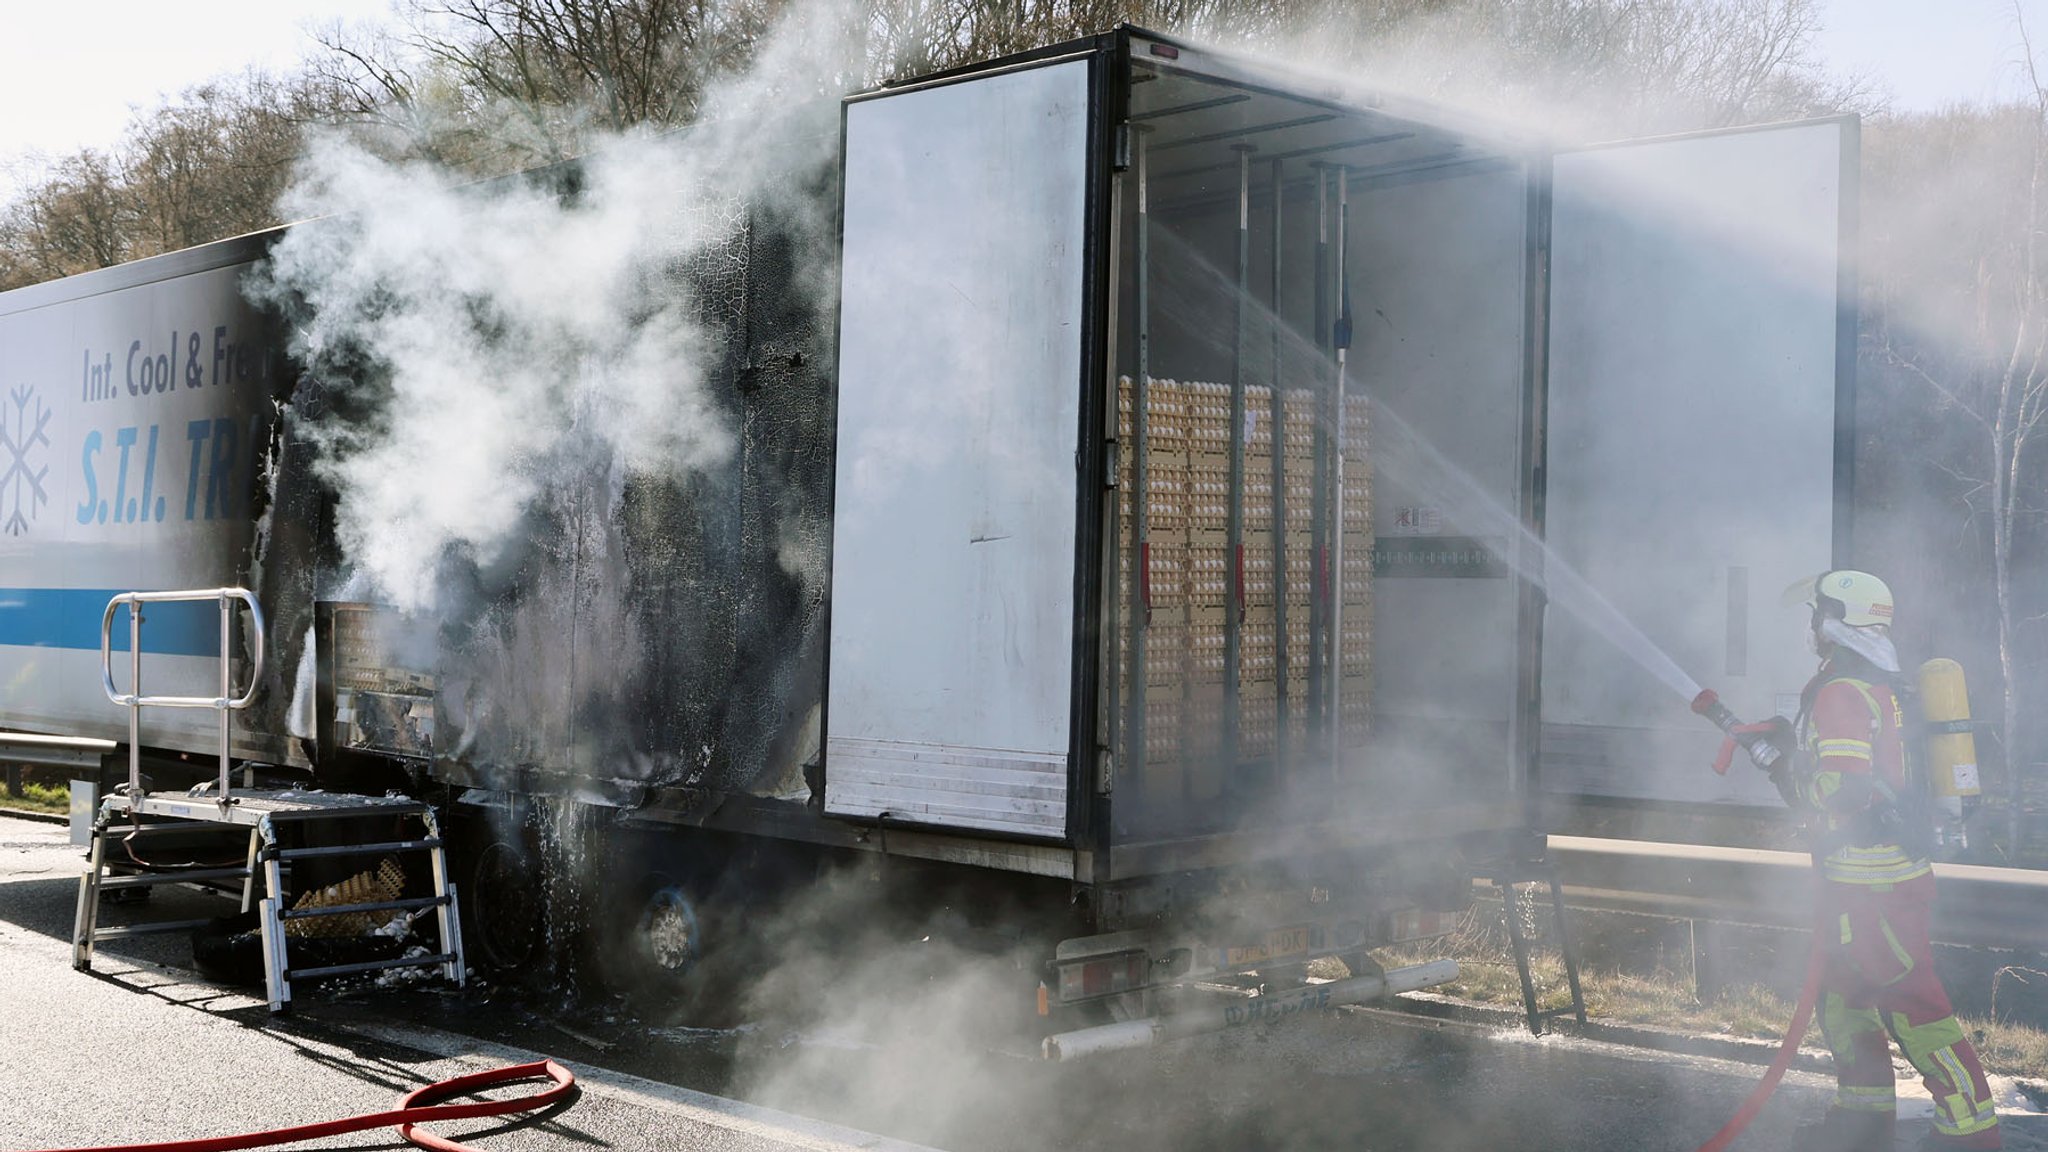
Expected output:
(666, 937)
(666, 954)
(505, 908)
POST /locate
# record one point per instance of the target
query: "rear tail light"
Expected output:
(1104, 976)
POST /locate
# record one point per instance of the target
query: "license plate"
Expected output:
(1278, 944)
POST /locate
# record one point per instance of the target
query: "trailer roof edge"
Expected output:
(243, 249)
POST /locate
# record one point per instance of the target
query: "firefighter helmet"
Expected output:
(1857, 599)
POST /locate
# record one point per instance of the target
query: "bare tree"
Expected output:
(208, 164)
(498, 84)
(212, 162)
(1957, 308)
(69, 222)
(1596, 67)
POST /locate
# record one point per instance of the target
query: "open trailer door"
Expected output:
(950, 696)
(1701, 367)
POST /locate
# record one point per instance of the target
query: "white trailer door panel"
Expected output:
(953, 551)
(1695, 315)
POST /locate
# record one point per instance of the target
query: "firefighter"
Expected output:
(1849, 778)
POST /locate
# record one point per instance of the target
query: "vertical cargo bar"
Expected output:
(1277, 433)
(1140, 608)
(1340, 337)
(1110, 715)
(1233, 551)
(1319, 499)
(1526, 732)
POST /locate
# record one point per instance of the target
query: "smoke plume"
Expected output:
(477, 340)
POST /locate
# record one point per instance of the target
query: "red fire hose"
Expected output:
(1754, 738)
(1794, 1032)
(418, 1107)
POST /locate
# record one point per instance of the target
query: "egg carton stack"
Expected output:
(1165, 589)
(1193, 574)
(1210, 579)
(1214, 570)
(1354, 647)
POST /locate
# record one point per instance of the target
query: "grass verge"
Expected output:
(1662, 998)
(38, 797)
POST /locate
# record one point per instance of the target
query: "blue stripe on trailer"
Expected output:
(70, 618)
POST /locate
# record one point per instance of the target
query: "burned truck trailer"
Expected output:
(1149, 536)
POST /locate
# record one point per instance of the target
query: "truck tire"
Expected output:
(503, 904)
(656, 952)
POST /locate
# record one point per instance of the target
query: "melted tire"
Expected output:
(504, 909)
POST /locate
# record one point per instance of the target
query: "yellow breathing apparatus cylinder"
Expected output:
(1951, 749)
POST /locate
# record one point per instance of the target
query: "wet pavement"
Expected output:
(140, 1050)
(141, 1047)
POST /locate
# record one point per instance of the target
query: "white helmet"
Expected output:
(1857, 599)
(1853, 609)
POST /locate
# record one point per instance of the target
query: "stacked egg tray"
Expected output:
(1355, 583)
(1188, 432)
(1165, 635)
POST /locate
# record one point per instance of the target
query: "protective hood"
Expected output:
(1873, 643)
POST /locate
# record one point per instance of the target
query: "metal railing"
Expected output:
(1977, 906)
(135, 701)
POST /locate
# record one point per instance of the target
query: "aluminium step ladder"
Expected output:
(136, 816)
(1532, 865)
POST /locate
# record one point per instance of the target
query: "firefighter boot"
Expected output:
(1842, 1130)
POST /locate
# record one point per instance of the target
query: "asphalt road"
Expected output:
(138, 1050)
(143, 1049)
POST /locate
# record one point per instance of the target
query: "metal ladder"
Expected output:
(1536, 867)
(261, 813)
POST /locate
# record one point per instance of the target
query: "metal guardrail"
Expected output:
(56, 751)
(1976, 906)
(135, 701)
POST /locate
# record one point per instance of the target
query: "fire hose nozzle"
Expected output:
(1752, 738)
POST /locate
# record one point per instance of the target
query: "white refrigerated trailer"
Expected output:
(1198, 460)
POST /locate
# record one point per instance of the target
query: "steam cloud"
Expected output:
(491, 333)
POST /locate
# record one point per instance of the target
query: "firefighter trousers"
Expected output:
(1879, 982)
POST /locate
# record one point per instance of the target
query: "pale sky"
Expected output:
(72, 72)
(1931, 53)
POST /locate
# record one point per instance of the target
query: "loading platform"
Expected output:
(273, 829)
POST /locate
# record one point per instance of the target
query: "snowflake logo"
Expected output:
(22, 482)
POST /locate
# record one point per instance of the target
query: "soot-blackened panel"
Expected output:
(660, 628)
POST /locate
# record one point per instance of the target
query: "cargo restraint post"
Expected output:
(261, 813)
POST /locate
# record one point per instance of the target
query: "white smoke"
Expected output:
(491, 330)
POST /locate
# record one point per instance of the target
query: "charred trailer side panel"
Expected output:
(650, 639)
